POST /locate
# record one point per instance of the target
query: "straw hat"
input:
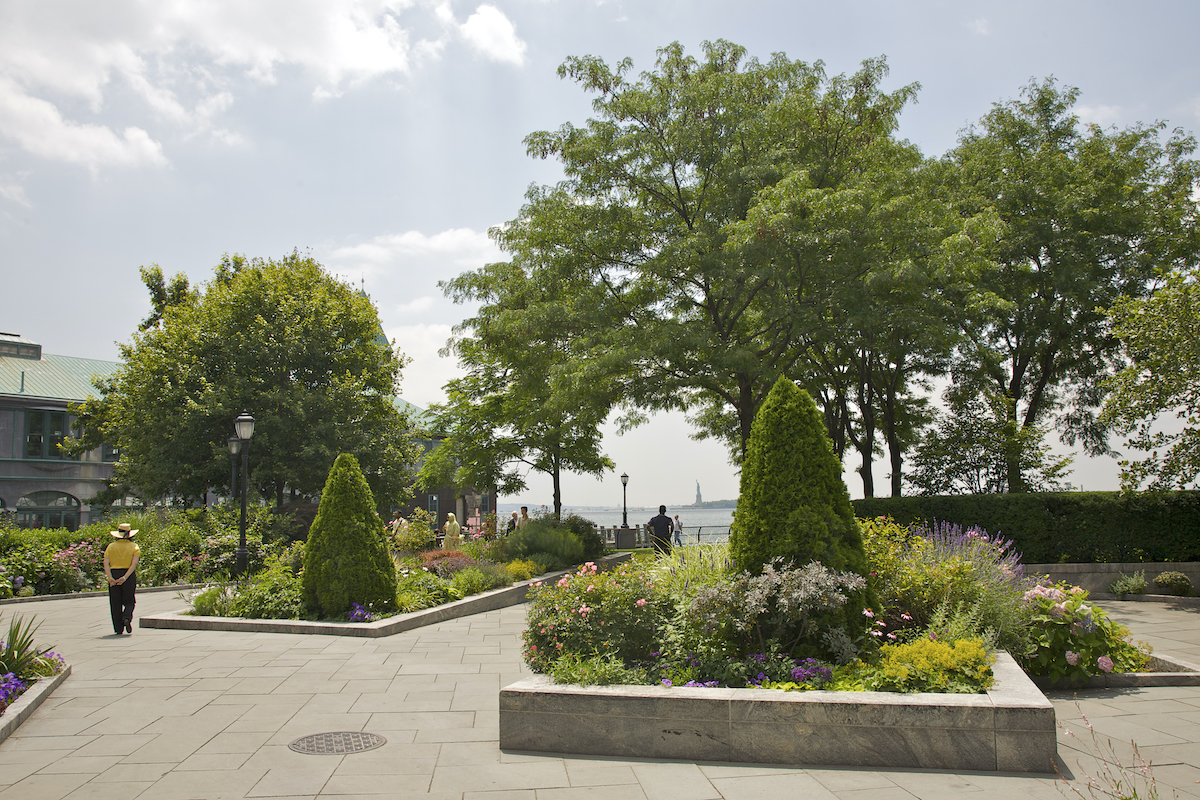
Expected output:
(123, 531)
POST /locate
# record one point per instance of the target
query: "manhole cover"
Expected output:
(337, 743)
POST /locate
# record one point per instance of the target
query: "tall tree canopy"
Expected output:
(531, 398)
(703, 308)
(296, 348)
(1088, 215)
(1161, 334)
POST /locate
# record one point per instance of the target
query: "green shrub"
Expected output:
(346, 559)
(416, 534)
(685, 570)
(616, 613)
(793, 503)
(1074, 640)
(522, 570)
(479, 578)
(215, 601)
(543, 535)
(931, 666)
(417, 589)
(277, 591)
(18, 652)
(445, 563)
(600, 670)
(1174, 582)
(1128, 584)
(585, 529)
(1067, 527)
(547, 562)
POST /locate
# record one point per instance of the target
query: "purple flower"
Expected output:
(1104, 663)
(666, 681)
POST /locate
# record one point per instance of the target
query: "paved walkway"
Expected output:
(173, 715)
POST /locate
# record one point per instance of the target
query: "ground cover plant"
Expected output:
(23, 662)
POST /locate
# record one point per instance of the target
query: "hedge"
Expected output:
(1066, 527)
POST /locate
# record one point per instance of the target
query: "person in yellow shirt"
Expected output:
(120, 563)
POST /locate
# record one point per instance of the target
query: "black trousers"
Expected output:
(121, 600)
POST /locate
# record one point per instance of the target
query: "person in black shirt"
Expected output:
(660, 531)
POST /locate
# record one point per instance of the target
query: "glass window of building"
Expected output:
(48, 510)
(44, 432)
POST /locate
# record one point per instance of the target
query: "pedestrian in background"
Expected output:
(660, 531)
(120, 565)
(677, 529)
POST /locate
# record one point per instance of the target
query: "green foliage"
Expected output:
(598, 670)
(18, 652)
(1174, 582)
(277, 591)
(686, 569)
(543, 536)
(1128, 584)
(932, 666)
(346, 559)
(969, 450)
(952, 582)
(418, 589)
(1070, 527)
(585, 530)
(1087, 214)
(522, 570)
(1162, 335)
(479, 578)
(414, 535)
(1074, 640)
(216, 601)
(793, 503)
(282, 339)
(616, 613)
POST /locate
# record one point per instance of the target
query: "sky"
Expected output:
(386, 138)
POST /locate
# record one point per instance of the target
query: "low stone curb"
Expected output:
(28, 702)
(1011, 728)
(1170, 671)
(180, 587)
(475, 604)
(1174, 599)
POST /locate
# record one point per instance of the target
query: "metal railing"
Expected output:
(702, 534)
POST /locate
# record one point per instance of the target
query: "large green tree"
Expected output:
(532, 399)
(281, 339)
(1088, 215)
(703, 310)
(1161, 334)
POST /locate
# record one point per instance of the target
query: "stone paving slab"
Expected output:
(436, 755)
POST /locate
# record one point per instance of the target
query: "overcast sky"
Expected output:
(386, 137)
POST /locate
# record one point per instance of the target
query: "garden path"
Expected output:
(173, 715)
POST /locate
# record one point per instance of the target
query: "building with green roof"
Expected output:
(40, 485)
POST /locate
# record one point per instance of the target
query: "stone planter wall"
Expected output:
(1096, 578)
(1008, 729)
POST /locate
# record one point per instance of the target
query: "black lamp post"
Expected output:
(235, 445)
(624, 505)
(244, 426)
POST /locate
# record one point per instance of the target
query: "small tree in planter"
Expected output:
(793, 503)
(346, 559)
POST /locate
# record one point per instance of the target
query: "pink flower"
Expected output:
(881, 623)
(868, 612)
(584, 610)
(892, 636)
(641, 601)
(1072, 657)
(906, 617)
(591, 586)
(1104, 663)
(877, 633)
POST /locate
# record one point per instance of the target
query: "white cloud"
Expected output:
(1101, 115)
(494, 35)
(183, 60)
(14, 191)
(417, 306)
(423, 378)
(980, 26)
(38, 127)
(460, 247)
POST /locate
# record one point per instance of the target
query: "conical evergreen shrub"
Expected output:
(346, 559)
(793, 502)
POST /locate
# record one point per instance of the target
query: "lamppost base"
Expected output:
(241, 561)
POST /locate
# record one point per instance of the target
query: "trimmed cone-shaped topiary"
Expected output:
(346, 559)
(793, 502)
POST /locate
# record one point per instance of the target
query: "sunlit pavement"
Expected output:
(170, 715)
